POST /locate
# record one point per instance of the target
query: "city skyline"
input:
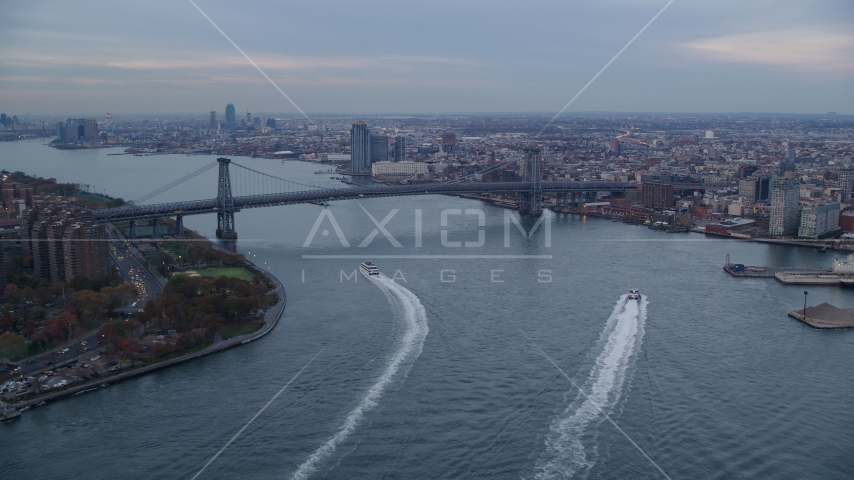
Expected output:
(774, 57)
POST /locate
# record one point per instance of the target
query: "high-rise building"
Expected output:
(230, 119)
(213, 125)
(846, 178)
(817, 220)
(399, 148)
(63, 240)
(360, 147)
(763, 188)
(379, 148)
(657, 195)
(90, 129)
(747, 189)
(248, 118)
(60, 132)
(449, 142)
(615, 145)
(784, 206)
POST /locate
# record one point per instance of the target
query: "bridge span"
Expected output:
(225, 205)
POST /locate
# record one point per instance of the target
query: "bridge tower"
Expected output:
(225, 203)
(532, 200)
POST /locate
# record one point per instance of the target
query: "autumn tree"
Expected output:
(63, 326)
(12, 345)
(91, 304)
(12, 294)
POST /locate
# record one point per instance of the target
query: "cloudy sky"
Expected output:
(441, 56)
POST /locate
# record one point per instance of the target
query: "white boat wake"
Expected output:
(410, 312)
(571, 442)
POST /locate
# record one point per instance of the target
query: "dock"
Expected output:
(751, 271)
(825, 315)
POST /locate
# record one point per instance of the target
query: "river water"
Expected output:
(466, 364)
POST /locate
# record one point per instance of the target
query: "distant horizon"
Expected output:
(602, 113)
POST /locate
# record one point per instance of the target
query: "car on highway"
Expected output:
(65, 350)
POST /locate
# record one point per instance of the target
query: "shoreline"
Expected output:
(271, 318)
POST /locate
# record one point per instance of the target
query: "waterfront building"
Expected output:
(230, 119)
(360, 147)
(379, 148)
(394, 169)
(784, 206)
(657, 195)
(90, 129)
(399, 148)
(60, 132)
(817, 220)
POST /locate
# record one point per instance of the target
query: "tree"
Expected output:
(12, 345)
(109, 334)
(118, 296)
(12, 294)
(63, 326)
(90, 303)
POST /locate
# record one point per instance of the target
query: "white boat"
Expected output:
(634, 294)
(368, 268)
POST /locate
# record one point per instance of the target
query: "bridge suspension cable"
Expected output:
(249, 182)
(150, 195)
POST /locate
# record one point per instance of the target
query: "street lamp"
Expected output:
(805, 304)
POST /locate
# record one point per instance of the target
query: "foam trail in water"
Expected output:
(566, 452)
(411, 313)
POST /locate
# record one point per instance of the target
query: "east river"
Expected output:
(447, 371)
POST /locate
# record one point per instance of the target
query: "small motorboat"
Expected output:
(634, 294)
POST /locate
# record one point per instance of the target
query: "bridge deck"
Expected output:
(198, 207)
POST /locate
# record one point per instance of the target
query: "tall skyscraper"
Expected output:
(248, 118)
(230, 119)
(846, 178)
(784, 206)
(360, 147)
(213, 125)
(399, 148)
(379, 148)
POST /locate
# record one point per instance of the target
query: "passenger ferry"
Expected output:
(634, 294)
(368, 268)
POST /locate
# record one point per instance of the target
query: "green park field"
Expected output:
(237, 272)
